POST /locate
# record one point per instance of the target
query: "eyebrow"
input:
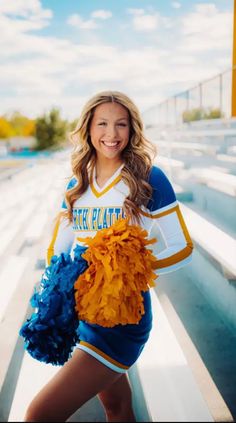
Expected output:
(126, 118)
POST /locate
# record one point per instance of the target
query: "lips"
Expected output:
(111, 144)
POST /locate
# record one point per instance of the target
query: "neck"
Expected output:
(105, 168)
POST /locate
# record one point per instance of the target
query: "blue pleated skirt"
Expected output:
(120, 346)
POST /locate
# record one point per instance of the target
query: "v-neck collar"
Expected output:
(113, 180)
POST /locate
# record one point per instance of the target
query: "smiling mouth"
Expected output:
(111, 144)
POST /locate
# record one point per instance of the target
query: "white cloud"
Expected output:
(101, 14)
(176, 4)
(145, 22)
(206, 9)
(135, 12)
(206, 28)
(25, 15)
(43, 71)
(77, 21)
(24, 8)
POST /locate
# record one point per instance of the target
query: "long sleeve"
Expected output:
(63, 234)
(62, 238)
(166, 217)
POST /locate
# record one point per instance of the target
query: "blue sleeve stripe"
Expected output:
(70, 185)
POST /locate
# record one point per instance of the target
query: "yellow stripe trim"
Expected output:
(102, 354)
(50, 250)
(181, 255)
(164, 213)
(82, 239)
(99, 194)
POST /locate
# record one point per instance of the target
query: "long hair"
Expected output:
(136, 156)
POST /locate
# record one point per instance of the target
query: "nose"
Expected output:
(111, 131)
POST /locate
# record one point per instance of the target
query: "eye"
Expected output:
(122, 124)
(102, 124)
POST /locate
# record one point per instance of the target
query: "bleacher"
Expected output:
(216, 136)
(205, 177)
(216, 243)
(164, 383)
(170, 391)
(216, 179)
(163, 363)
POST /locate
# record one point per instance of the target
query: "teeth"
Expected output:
(110, 144)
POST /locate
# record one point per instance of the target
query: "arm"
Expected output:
(167, 217)
(63, 234)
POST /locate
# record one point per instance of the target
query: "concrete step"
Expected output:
(194, 318)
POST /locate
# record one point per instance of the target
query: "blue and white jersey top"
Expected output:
(99, 208)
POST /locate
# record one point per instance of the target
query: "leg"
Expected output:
(117, 401)
(81, 378)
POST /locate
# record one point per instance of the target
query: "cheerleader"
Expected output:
(115, 200)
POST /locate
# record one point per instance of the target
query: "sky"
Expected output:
(59, 53)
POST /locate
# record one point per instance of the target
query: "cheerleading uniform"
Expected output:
(118, 347)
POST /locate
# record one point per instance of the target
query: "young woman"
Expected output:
(113, 178)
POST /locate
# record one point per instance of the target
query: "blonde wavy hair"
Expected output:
(137, 156)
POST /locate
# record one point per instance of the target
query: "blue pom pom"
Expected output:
(50, 334)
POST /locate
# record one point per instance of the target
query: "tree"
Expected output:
(50, 130)
(200, 113)
(6, 129)
(214, 114)
(29, 128)
(193, 114)
(22, 125)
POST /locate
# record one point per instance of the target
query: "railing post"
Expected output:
(221, 92)
(233, 103)
(167, 112)
(200, 96)
(175, 110)
(187, 100)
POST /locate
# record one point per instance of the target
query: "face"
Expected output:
(109, 130)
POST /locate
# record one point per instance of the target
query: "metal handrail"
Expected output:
(222, 102)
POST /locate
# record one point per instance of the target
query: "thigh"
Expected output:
(81, 378)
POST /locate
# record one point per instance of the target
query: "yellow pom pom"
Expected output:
(120, 268)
